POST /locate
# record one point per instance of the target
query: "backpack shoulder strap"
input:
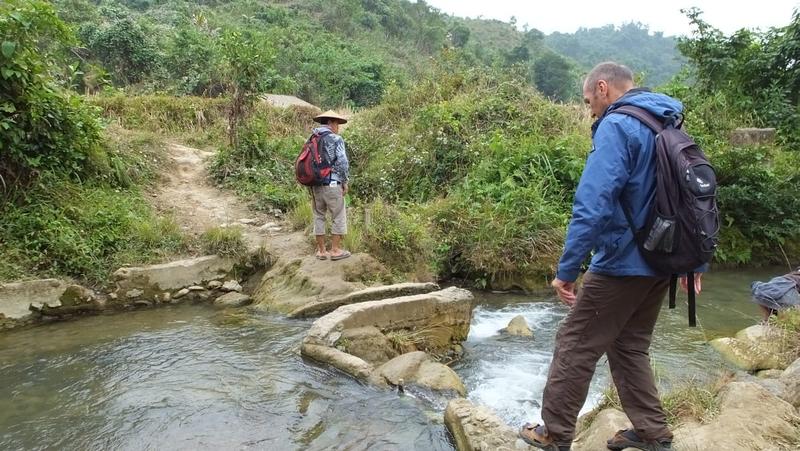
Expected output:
(643, 115)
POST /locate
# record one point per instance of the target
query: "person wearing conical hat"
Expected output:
(329, 197)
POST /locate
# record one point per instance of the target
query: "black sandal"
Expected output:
(628, 438)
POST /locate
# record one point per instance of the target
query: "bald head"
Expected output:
(606, 83)
(616, 75)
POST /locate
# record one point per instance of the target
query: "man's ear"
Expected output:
(602, 87)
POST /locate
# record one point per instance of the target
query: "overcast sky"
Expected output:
(569, 15)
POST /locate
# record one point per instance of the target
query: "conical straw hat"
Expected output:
(330, 114)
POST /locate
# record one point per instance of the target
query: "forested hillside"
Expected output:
(328, 52)
(652, 55)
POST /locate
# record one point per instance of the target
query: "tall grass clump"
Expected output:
(196, 120)
(224, 241)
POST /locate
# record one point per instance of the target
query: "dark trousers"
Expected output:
(615, 316)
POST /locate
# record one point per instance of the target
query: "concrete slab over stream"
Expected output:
(368, 294)
(440, 319)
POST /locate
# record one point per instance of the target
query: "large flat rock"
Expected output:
(756, 348)
(479, 428)
(750, 418)
(16, 298)
(298, 281)
(172, 276)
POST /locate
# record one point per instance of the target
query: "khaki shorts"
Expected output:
(329, 199)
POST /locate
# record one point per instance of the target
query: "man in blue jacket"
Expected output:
(618, 304)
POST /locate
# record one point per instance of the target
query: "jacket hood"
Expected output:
(660, 105)
(321, 130)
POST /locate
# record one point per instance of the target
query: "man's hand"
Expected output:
(565, 291)
(698, 283)
(345, 188)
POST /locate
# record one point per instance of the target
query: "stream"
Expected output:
(191, 377)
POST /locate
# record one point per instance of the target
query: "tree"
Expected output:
(247, 65)
(125, 50)
(553, 76)
(459, 36)
(759, 72)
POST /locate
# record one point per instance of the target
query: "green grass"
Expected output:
(85, 231)
(224, 241)
(88, 228)
(688, 401)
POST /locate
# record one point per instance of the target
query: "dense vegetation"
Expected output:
(183, 47)
(748, 79)
(69, 203)
(462, 165)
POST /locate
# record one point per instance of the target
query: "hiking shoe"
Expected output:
(627, 438)
(536, 435)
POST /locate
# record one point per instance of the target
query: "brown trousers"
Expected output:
(616, 316)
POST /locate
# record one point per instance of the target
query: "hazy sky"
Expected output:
(569, 15)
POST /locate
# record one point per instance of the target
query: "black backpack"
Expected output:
(682, 227)
(312, 167)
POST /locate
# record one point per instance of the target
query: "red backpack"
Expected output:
(312, 167)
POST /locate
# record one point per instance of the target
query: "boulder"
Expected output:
(367, 343)
(601, 427)
(418, 367)
(479, 428)
(76, 295)
(769, 374)
(519, 327)
(750, 417)
(19, 300)
(756, 348)
(232, 299)
(348, 363)
(75, 300)
(298, 278)
(752, 136)
(791, 380)
(442, 317)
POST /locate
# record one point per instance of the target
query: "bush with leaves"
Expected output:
(43, 126)
(757, 71)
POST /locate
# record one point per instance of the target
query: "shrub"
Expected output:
(400, 237)
(493, 163)
(43, 126)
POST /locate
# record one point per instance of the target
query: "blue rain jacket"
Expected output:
(621, 165)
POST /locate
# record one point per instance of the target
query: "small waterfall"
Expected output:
(509, 373)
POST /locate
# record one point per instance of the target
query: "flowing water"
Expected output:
(190, 377)
(509, 373)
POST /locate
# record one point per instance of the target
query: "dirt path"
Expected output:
(297, 278)
(198, 205)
